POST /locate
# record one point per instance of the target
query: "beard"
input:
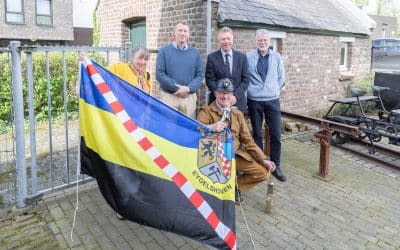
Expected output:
(263, 49)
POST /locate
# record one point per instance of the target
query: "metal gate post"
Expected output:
(32, 121)
(20, 161)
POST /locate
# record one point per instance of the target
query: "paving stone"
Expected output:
(345, 213)
(386, 245)
(368, 237)
(89, 241)
(61, 241)
(57, 213)
(137, 244)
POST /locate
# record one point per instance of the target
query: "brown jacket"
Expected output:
(244, 143)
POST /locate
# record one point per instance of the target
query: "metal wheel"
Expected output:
(339, 138)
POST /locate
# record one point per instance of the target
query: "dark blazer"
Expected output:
(240, 74)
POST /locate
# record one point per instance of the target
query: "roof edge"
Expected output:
(241, 25)
(352, 10)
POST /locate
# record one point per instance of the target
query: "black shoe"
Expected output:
(279, 175)
(238, 197)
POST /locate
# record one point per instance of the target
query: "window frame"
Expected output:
(40, 15)
(344, 66)
(276, 38)
(346, 41)
(22, 13)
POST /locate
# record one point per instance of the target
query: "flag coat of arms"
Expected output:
(154, 165)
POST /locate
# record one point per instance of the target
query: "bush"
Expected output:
(364, 83)
(40, 85)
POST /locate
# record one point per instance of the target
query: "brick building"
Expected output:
(36, 22)
(386, 27)
(325, 44)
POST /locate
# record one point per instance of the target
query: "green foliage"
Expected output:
(361, 3)
(364, 83)
(41, 83)
(96, 36)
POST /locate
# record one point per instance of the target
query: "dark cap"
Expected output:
(225, 85)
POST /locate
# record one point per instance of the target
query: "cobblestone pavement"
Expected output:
(357, 209)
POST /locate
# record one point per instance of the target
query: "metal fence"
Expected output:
(39, 154)
(7, 145)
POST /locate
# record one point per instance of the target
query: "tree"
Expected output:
(385, 8)
(361, 3)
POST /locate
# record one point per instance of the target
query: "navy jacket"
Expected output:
(240, 74)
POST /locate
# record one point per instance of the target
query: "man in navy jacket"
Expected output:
(228, 63)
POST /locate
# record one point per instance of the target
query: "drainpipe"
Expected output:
(209, 18)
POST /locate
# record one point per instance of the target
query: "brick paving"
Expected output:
(357, 209)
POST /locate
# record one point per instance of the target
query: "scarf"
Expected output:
(226, 112)
(140, 74)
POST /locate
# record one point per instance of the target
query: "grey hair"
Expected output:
(262, 32)
(140, 52)
(225, 30)
(185, 23)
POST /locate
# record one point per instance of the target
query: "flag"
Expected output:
(154, 165)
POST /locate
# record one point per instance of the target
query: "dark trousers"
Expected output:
(271, 111)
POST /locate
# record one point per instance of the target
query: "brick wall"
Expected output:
(384, 22)
(161, 17)
(311, 61)
(312, 67)
(60, 30)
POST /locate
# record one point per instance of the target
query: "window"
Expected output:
(274, 44)
(138, 33)
(343, 55)
(384, 30)
(44, 14)
(14, 11)
(276, 39)
(345, 52)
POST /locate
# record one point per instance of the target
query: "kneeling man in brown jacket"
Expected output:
(251, 163)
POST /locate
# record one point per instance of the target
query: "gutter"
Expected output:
(247, 25)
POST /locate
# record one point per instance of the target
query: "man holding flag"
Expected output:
(252, 164)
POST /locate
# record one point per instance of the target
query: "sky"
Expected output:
(83, 13)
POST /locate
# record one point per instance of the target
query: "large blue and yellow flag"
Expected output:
(154, 165)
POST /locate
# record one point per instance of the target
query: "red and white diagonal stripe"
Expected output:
(226, 166)
(177, 177)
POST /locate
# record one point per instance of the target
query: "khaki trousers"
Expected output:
(186, 105)
(251, 173)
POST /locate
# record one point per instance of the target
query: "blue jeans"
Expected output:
(271, 110)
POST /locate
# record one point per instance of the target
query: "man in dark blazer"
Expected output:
(228, 63)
